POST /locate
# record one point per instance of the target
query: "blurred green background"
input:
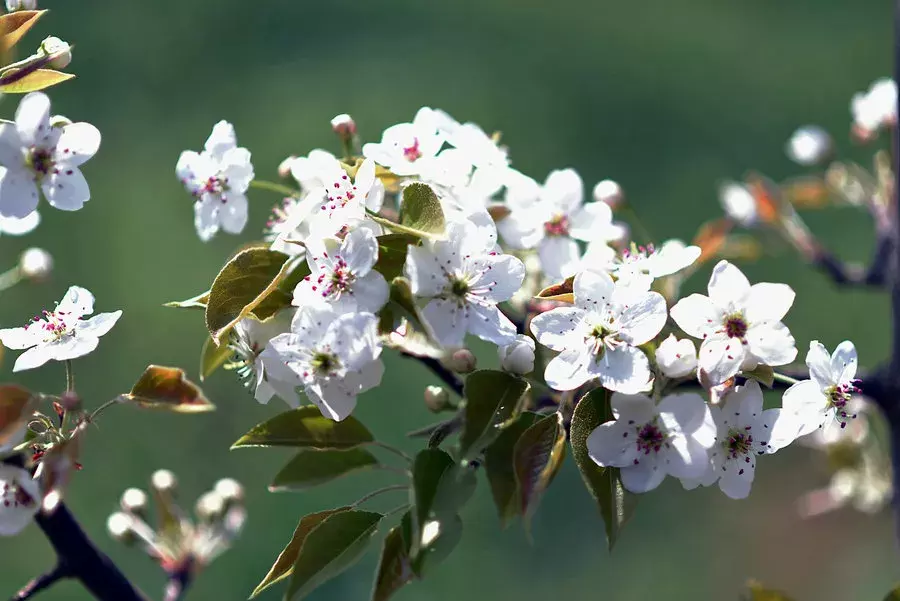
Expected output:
(665, 97)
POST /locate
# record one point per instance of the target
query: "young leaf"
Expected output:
(196, 302)
(213, 357)
(429, 467)
(392, 254)
(493, 399)
(537, 457)
(436, 542)
(13, 26)
(243, 285)
(616, 504)
(421, 210)
(306, 428)
(313, 467)
(330, 548)
(498, 464)
(757, 592)
(563, 292)
(284, 564)
(39, 79)
(16, 405)
(167, 388)
(894, 595)
(763, 374)
(394, 568)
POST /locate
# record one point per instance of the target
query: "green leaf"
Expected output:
(894, 595)
(498, 464)
(39, 79)
(330, 548)
(306, 428)
(429, 467)
(493, 400)
(394, 568)
(196, 302)
(757, 592)
(213, 357)
(392, 250)
(250, 283)
(436, 542)
(313, 467)
(421, 210)
(537, 457)
(616, 504)
(763, 374)
(284, 564)
(167, 388)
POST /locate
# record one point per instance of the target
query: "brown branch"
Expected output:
(44, 581)
(852, 274)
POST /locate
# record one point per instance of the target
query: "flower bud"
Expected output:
(610, 193)
(809, 145)
(676, 358)
(36, 264)
(134, 500)
(344, 126)
(70, 401)
(164, 481)
(462, 361)
(437, 398)
(230, 490)
(518, 357)
(210, 506)
(119, 527)
(284, 167)
(59, 51)
(738, 203)
(14, 5)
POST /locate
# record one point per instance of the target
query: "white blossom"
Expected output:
(649, 442)
(61, 334)
(464, 278)
(19, 226)
(342, 201)
(608, 192)
(336, 357)
(481, 149)
(518, 357)
(40, 153)
(218, 179)
(59, 52)
(598, 337)
(406, 147)
(265, 377)
(876, 108)
(20, 499)
(738, 203)
(640, 265)
(740, 324)
(552, 217)
(676, 358)
(14, 5)
(826, 398)
(744, 430)
(809, 145)
(342, 274)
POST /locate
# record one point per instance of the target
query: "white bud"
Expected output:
(609, 192)
(284, 167)
(809, 145)
(344, 126)
(164, 481)
(59, 51)
(119, 526)
(14, 5)
(436, 398)
(134, 500)
(738, 203)
(210, 506)
(518, 357)
(36, 264)
(230, 490)
(60, 121)
(676, 358)
(462, 361)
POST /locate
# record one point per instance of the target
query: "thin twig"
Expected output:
(449, 378)
(44, 581)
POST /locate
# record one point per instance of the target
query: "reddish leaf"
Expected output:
(167, 388)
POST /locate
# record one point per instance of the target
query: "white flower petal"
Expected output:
(643, 317)
(424, 271)
(676, 358)
(555, 328)
(819, 363)
(563, 190)
(18, 193)
(613, 444)
(502, 277)
(447, 320)
(696, 315)
(560, 256)
(587, 223)
(360, 251)
(644, 476)
(771, 343)
(844, 362)
(72, 347)
(370, 292)
(623, 369)
(206, 220)
(720, 358)
(490, 324)
(333, 400)
(568, 370)
(22, 338)
(689, 414)
(806, 401)
(33, 118)
(19, 226)
(221, 139)
(736, 478)
(98, 325)
(32, 358)
(768, 302)
(20, 499)
(232, 213)
(77, 301)
(77, 143)
(728, 286)
(66, 189)
(593, 289)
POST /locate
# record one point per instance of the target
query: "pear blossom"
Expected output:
(518, 357)
(826, 398)
(342, 274)
(552, 217)
(738, 203)
(740, 324)
(481, 149)
(598, 337)
(744, 430)
(809, 145)
(19, 226)
(38, 152)
(405, 147)
(336, 357)
(464, 277)
(676, 358)
(342, 201)
(61, 334)
(265, 377)
(310, 170)
(876, 108)
(20, 499)
(14, 5)
(640, 265)
(649, 441)
(608, 192)
(218, 179)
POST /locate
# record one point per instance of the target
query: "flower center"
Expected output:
(459, 287)
(839, 398)
(56, 324)
(340, 193)
(736, 326)
(324, 363)
(40, 160)
(558, 225)
(13, 495)
(738, 443)
(650, 437)
(637, 253)
(412, 153)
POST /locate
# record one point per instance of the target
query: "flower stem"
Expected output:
(101, 409)
(262, 184)
(783, 378)
(10, 278)
(70, 377)
(392, 449)
(379, 492)
(399, 228)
